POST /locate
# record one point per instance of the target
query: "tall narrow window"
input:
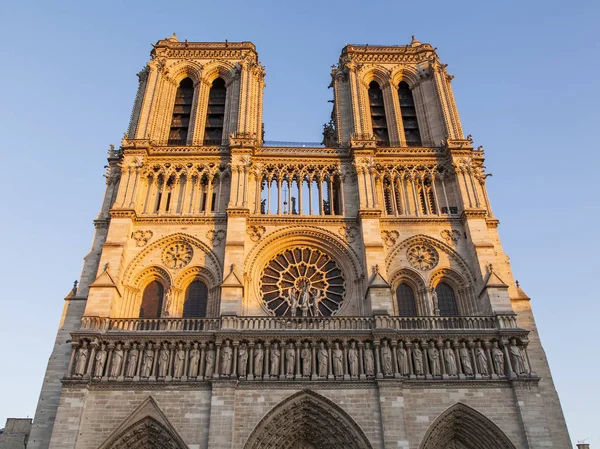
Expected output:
(196, 298)
(406, 301)
(409, 115)
(152, 300)
(215, 114)
(180, 123)
(446, 300)
(380, 131)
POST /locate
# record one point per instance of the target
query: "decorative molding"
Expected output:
(451, 236)
(216, 236)
(141, 237)
(256, 232)
(349, 232)
(390, 237)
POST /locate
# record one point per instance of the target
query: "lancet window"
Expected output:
(215, 113)
(409, 115)
(405, 298)
(152, 300)
(446, 300)
(182, 111)
(196, 300)
(378, 121)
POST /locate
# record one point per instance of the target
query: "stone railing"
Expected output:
(150, 324)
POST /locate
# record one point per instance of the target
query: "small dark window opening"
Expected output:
(152, 300)
(380, 131)
(196, 299)
(215, 114)
(409, 115)
(406, 301)
(446, 300)
(182, 111)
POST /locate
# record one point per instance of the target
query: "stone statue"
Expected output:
(323, 356)
(290, 359)
(259, 356)
(306, 356)
(100, 361)
(210, 360)
(242, 360)
(305, 306)
(293, 301)
(179, 363)
(168, 301)
(275, 354)
(403, 361)
(132, 360)
(353, 359)
(82, 356)
(117, 361)
(516, 357)
(148, 361)
(498, 358)
(434, 359)
(338, 360)
(163, 361)
(435, 300)
(226, 357)
(450, 360)
(481, 359)
(465, 359)
(386, 359)
(194, 360)
(369, 360)
(315, 303)
(418, 359)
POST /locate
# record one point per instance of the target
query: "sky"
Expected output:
(526, 87)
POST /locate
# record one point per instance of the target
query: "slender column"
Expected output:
(474, 187)
(90, 360)
(443, 181)
(415, 196)
(163, 197)
(244, 188)
(411, 373)
(208, 207)
(440, 348)
(174, 195)
(109, 352)
(268, 206)
(258, 193)
(151, 205)
(289, 198)
(345, 360)
(279, 208)
(155, 361)
(217, 361)
(234, 370)
(464, 177)
(141, 355)
(378, 372)
(125, 358)
(510, 373)
(202, 356)
(134, 189)
(374, 187)
(394, 201)
(436, 206)
(329, 362)
(342, 202)
(184, 196)
(266, 360)
(320, 187)
(475, 367)
(361, 365)
(186, 362)
(394, 348)
(74, 347)
(331, 196)
(123, 186)
(218, 199)
(457, 358)
(298, 372)
(313, 361)
(282, 349)
(300, 186)
(310, 197)
(250, 375)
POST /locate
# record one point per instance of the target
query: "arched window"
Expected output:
(196, 298)
(215, 114)
(409, 115)
(180, 123)
(406, 301)
(380, 131)
(446, 300)
(152, 300)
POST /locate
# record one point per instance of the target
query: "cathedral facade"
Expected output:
(352, 294)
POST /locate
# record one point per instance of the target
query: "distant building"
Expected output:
(15, 434)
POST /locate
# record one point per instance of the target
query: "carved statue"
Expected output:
(100, 361)
(210, 360)
(323, 356)
(194, 360)
(386, 358)
(465, 359)
(275, 354)
(242, 360)
(293, 301)
(82, 356)
(168, 301)
(306, 356)
(481, 359)
(179, 363)
(338, 360)
(315, 303)
(516, 358)
(148, 361)
(226, 357)
(117, 361)
(369, 360)
(305, 305)
(450, 360)
(163, 361)
(259, 355)
(403, 360)
(434, 359)
(498, 358)
(290, 359)
(132, 360)
(418, 359)
(435, 300)
(353, 359)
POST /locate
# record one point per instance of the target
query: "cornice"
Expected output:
(442, 220)
(156, 220)
(319, 220)
(469, 214)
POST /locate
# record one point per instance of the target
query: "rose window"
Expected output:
(422, 257)
(302, 282)
(177, 255)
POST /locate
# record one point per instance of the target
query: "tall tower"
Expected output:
(353, 295)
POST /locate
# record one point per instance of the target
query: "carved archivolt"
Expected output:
(146, 434)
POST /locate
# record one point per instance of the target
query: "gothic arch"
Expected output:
(310, 417)
(375, 73)
(183, 281)
(464, 427)
(406, 73)
(416, 282)
(184, 69)
(216, 69)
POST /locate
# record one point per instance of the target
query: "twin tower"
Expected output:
(352, 294)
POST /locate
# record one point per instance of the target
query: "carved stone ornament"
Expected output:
(390, 237)
(349, 233)
(422, 257)
(256, 232)
(177, 255)
(141, 237)
(451, 236)
(216, 236)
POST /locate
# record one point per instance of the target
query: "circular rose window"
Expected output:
(302, 282)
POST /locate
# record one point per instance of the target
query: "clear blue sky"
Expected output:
(526, 85)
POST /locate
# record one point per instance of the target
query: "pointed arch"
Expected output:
(464, 427)
(312, 418)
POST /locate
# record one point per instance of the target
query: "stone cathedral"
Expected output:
(248, 294)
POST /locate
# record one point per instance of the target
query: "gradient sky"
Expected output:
(526, 86)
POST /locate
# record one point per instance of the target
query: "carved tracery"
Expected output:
(147, 433)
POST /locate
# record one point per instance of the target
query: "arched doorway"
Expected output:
(307, 420)
(461, 427)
